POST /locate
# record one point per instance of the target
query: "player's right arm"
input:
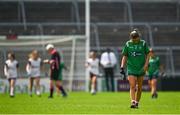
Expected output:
(28, 68)
(6, 70)
(123, 61)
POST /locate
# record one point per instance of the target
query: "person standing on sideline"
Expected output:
(136, 55)
(108, 62)
(93, 66)
(54, 70)
(33, 69)
(10, 71)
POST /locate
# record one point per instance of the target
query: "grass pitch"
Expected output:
(85, 103)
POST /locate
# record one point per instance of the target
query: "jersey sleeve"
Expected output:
(17, 65)
(146, 48)
(125, 50)
(88, 61)
(5, 69)
(41, 62)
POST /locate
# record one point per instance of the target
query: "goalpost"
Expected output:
(71, 48)
(87, 25)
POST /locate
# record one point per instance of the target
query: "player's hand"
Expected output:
(145, 68)
(46, 61)
(122, 72)
(162, 74)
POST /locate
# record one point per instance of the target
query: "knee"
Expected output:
(51, 87)
(132, 87)
(139, 87)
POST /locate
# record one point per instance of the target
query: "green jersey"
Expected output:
(61, 66)
(136, 57)
(153, 67)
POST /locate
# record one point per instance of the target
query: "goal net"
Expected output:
(71, 49)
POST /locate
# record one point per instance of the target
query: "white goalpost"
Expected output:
(87, 24)
(71, 48)
(74, 48)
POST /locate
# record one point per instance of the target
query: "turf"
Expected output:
(84, 103)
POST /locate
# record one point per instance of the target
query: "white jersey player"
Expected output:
(93, 66)
(33, 69)
(10, 71)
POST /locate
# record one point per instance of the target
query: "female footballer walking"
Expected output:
(136, 55)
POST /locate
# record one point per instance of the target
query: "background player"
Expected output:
(93, 65)
(61, 67)
(33, 69)
(136, 54)
(10, 71)
(54, 70)
(153, 73)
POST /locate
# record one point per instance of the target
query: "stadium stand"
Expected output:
(158, 20)
(154, 11)
(49, 12)
(9, 12)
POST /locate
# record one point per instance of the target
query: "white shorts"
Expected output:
(34, 74)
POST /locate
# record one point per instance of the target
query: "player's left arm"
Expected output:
(146, 62)
(147, 53)
(18, 70)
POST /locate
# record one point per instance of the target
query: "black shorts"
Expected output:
(153, 77)
(92, 75)
(55, 75)
(9, 79)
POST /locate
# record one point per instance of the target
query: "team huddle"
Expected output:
(136, 55)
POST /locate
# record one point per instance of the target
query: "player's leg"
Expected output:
(106, 78)
(150, 86)
(9, 81)
(37, 79)
(93, 85)
(57, 87)
(31, 85)
(139, 89)
(111, 74)
(154, 87)
(51, 88)
(58, 84)
(58, 91)
(12, 87)
(149, 83)
(132, 83)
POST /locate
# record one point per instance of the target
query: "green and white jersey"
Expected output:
(153, 67)
(136, 56)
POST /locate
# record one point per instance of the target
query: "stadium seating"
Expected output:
(154, 11)
(9, 12)
(166, 35)
(176, 57)
(157, 14)
(49, 12)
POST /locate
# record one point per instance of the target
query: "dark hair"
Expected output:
(12, 55)
(135, 33)
(108, 50)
